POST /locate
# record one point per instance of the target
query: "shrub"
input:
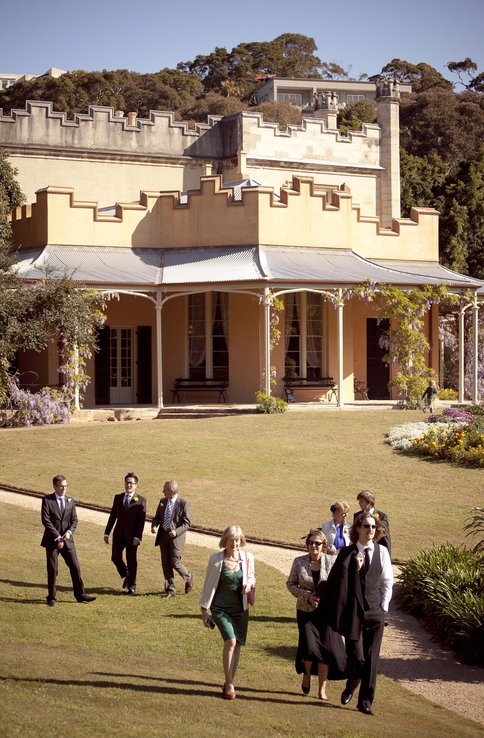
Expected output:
(475, 527)
(40, 408)
(448, 394)
(444, 586)
(270, 404)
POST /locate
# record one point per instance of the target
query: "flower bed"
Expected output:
(455, 435)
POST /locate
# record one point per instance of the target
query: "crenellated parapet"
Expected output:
(102, 129)
(301, 215)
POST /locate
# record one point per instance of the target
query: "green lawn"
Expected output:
(275, 475)
(125, 667)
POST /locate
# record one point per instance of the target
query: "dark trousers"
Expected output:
(70, 557)
(130, 568)
(363, 656)
(171, 562)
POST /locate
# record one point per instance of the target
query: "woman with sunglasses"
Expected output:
(318, 646)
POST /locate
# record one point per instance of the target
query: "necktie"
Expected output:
(167, 517)
(367, 560)
(126, 501)
(62, 503)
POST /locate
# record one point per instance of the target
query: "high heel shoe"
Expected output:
(306, 684)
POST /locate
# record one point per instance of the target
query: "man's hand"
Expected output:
(67, 535)
(172, 533)
(60, 544)
(106, 538)
(153, 530)
(136, 541)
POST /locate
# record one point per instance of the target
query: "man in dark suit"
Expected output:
(59, 519)
(366, 501)
(357, 596)
(172, 519)
(128, 513)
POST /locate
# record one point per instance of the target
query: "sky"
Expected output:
(359, 35)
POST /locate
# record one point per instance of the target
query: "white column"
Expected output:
(159, 363)
(475, 350)
(340, 348)
(461, 355)
(77, 399)
(267, 340)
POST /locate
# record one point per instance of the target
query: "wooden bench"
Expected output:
(200, 385)
(296, 383)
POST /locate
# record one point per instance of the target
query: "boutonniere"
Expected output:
(376, 516)
(69, 499)
(135, 499)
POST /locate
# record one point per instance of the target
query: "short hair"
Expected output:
(339, 506)
(172, 485)
(366, 495)
(319, 533)
(58, 478)
(358, 522)
(232, 531)
(131, 475)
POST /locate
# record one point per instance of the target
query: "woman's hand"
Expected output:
(313, 600)
(206, 618)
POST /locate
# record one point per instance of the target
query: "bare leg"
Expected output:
(323, 680)
(228, 656)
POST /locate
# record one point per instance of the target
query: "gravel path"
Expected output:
(409, 655)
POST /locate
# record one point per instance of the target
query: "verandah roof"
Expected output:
(151, 267)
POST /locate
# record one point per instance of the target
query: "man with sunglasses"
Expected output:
(358, 594)
(127, 516)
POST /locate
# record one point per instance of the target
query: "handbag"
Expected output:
(251, 592)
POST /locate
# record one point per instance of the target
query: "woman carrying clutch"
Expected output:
(228, 581)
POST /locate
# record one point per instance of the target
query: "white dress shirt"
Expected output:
(386, 576)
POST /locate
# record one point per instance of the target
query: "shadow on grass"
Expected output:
(253, 618)
(170, 686)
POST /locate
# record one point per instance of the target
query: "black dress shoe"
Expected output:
(86, 598)
(346, 696)
(51, 603)
(131, 591)
(365, 709)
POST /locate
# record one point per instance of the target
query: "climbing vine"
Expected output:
(405, 343)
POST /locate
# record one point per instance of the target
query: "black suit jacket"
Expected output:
(128, 522)
(344, 602)
(180, 521)
(56, 524)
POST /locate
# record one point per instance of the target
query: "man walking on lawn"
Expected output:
(128, 513)
(59, 518)
(172, 518)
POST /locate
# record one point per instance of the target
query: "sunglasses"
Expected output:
(315, 543)
(367, 525)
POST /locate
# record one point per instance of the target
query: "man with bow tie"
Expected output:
(59, 519)
(172, 518)
(127, 516)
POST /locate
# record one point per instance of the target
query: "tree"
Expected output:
(421, 76)
(33, 315)
(353, 116)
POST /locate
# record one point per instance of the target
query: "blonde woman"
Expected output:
(229, 578)
(337, 530)
(318, 646)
